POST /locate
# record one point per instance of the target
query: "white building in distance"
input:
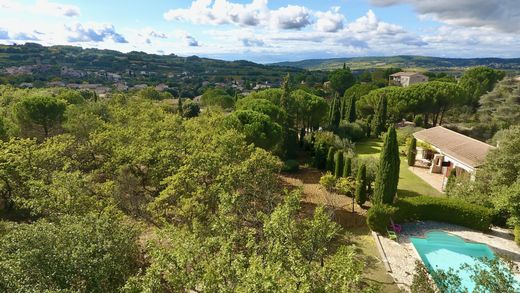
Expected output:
(407, 78)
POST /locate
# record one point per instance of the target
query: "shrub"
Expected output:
(328, 181)
(291, 166)
(447, 210)
(517, 234)
(418, 120)
(345, 186)
(378, 217)
(405, 134)
(353, 131)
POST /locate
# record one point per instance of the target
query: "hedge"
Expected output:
(378, 217)
(446, 210)
(516, 232)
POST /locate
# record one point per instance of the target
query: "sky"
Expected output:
(270, 30)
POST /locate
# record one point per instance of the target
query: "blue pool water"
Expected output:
(442, 251)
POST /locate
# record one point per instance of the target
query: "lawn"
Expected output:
(409, 183)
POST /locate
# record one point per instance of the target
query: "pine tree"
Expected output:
(412, 151)
(347, 168)
(330, 160)
(338, 164)
(387, 176)
(379, 119)
(361, 185)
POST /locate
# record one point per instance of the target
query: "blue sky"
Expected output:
(269, 31)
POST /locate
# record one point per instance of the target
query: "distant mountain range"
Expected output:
(409, 62)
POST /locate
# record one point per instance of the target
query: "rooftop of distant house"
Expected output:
(467, 150)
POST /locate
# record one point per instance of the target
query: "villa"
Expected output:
(407, 78)
(442, 150)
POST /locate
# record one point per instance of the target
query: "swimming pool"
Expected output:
(443, 251)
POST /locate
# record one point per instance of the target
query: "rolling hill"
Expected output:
(412, 62)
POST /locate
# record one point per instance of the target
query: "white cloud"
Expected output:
(186, 39)
(53, 8)
(256, 13)
(502, 15)
(42, 7)
(290, 17)
(93, 32)
(23, 36)
(330, 21)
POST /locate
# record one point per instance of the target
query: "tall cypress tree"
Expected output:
(379, 119)
(387, 176)
(179, 106)
(412, 151)
(347, 168)
(350, 109)
(361, 185)
(320, 158)
(330, 160)
(338, 164)
(335, 113)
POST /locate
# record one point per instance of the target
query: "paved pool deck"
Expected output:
(401, 255)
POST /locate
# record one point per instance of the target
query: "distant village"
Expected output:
(116, 81)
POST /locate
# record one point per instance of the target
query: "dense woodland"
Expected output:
(146, 191)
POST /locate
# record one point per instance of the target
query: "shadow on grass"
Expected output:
(407, 193)
(368, 147)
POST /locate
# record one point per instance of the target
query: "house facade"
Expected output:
(443, 150)
(407, 78)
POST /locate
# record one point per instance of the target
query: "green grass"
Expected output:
(409, 183)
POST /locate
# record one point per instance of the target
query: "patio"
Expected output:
(433, 179)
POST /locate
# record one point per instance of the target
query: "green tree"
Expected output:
(341, 80)
(190, 109)
(388, 173)
(347, 168)
(477, 81)
(217, 97)
(502, 105)
(335, 113)
(257, 127)
(264, 106)
(356, 92)
(361, 185)
(96, 253)
(379, 120)
(338, 163)
(43, 111)
(350, 109)
(412, 151)
(179, 106)
(329, 166)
